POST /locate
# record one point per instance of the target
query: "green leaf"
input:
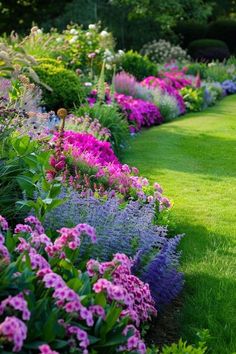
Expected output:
(50, 327)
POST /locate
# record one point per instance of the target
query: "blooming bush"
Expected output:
(229, 86)
(138, 112)
(154, 82)
(131, 230)
(164, 52)
(125, 83)
(48, 296)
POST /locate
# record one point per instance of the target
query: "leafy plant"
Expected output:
(193, 98)
(66, 87)
(109, 117)
(138, 65)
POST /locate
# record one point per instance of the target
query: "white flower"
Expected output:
(104, 34)
(108, 66)
(92, 27)
(121, 52)
(73, 39)
(87, 34)
(73, 31)
(107, 53)
(59, 40)
(39, 31)
(88, 84)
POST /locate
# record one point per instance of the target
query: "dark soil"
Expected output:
(165, 327)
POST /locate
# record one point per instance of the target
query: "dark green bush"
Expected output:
(190, 31)
(224, 30)
(196, 68)
(67, 89)
(208, 50)
(138, 65)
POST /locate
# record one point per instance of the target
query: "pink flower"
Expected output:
(45, 349)
(3, 223)
(15, 331)
(17, 303)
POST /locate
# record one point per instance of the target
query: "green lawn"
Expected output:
(194, 159)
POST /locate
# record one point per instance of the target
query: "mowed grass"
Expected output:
(194, 159)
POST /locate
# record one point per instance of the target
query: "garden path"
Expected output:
(194, 159)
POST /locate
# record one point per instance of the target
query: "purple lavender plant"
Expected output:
(129, 230)
(161, 273)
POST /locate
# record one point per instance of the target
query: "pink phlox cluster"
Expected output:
(153, 82)
(134, 342)
(65, 297)
(176, 79)
(71, 238)
(123, 287)
(4, 253)
(139, 112)
(3, 223)
(37, 261)
(35, 223)
(80, 143)
(15, 331)
(17, 303)
(46, 349)
(81, 336)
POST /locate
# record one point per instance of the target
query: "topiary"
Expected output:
(67, 89)
(208, 50)
(138, 65)
(190, 31)
(224, 30)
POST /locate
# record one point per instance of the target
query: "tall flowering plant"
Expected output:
(52, 301)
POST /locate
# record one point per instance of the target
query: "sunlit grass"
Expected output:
(194, 159)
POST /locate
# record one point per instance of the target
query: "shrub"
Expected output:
(197, 68)
(193, 98)
(125, 83)
(208, 50)
(225, 30)
(50, 295)
(67, 89)
(167, 105)
(229, 86)
(129, 229)
(190, 31)
(219, 72)
(138, 112)
(164, 52)
(138, 65)
(213, 91)
(110, 118)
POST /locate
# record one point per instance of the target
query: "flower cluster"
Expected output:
(138, 112)
(164, 52)
(154, 82)
(87, 124)
(71, 297)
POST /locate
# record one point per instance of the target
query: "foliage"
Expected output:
(225, 30)
(138, 65)
(229, 86)
(163, 51)
(138, 112)
(58, 299)
(66, 86)
(167, 105)
(125, 83)
(193, 98)
(219, 72)
(213, 92)
(208, 50)
(127, 229)
(189, 31)
(110, 118)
